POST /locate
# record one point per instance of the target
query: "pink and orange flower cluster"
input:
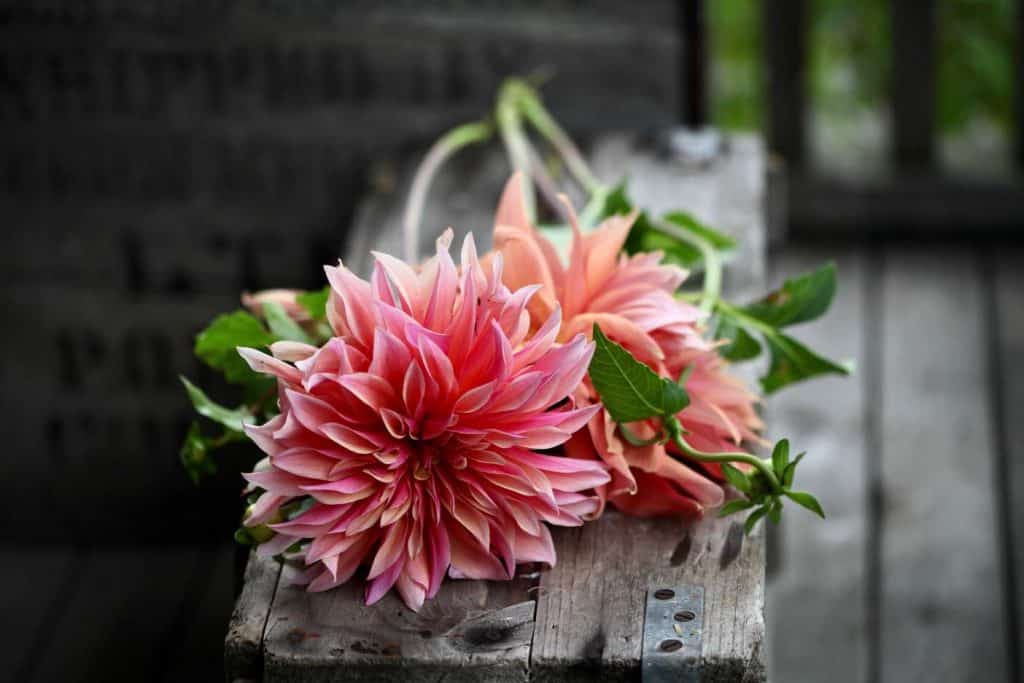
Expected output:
(450, 420)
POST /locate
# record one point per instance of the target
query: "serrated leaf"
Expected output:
(735, 506)
(742, 345)
(780, 457)
(630, 390)
(793, 362)
(232, 419)
(799, 300)
(804, 499)
(736, 477)
(282, 325)
(216, 345)
(753, 518)
(687, 222)
(790, 471)
(315, 302)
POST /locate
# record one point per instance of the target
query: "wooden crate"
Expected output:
(585, 617)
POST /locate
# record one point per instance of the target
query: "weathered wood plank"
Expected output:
(1008, 375)
(35, 582)
(121, 618)
(590, 607)
(243, 646)
(472, 631)
(199, 655)
(818, 595)
(941, 601)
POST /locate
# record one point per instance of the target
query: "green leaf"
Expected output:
(794, 362)
(736, 477)
(775, 511)
(644, 237)
(194, 455)
(205, 406)
(780, 457)
(629, 389)
(735, 506)
(799, 300)
(216, 345)
(790, 471)
(281, 324)
(742, 345)
(753, 518)
(689, 223)
(804, 499)
(315, 302)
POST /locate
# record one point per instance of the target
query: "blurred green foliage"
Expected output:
(849, 57)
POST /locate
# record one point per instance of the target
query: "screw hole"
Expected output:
(664, 594)
(684, 615)
(670, 645)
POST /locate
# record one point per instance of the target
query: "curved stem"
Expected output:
(548, 127)
(712, 261)
(436, 156)
(702, 456)
(510, 126)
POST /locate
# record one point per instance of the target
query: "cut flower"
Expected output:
(632, 299)
(409, 442)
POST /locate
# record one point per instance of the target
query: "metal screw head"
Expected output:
(684, 615)
(670, 645)
(664, 594)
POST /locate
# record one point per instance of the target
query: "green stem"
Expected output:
(533, 108)
(712, 261)
(510, 126)
(450, 143)
(675, 433)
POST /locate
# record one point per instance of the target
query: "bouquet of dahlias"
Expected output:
(436, 419)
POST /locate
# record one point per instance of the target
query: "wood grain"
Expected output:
(818, 595)
(941, 602)
(243, 646)
(590, 608)
(472, 630)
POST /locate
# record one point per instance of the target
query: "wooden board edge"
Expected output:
(243, 645)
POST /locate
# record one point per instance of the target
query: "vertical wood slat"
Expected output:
(914, 75)
(1008, 396)
(819, 595)
(694, 91)
(941, 597)
(783, 31)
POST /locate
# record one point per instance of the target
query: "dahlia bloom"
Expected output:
(411, 436)
(632, 299)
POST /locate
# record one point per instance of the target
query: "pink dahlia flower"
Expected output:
(632, 299)
(411, 438)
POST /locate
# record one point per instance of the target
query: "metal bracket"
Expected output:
(673, 627)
